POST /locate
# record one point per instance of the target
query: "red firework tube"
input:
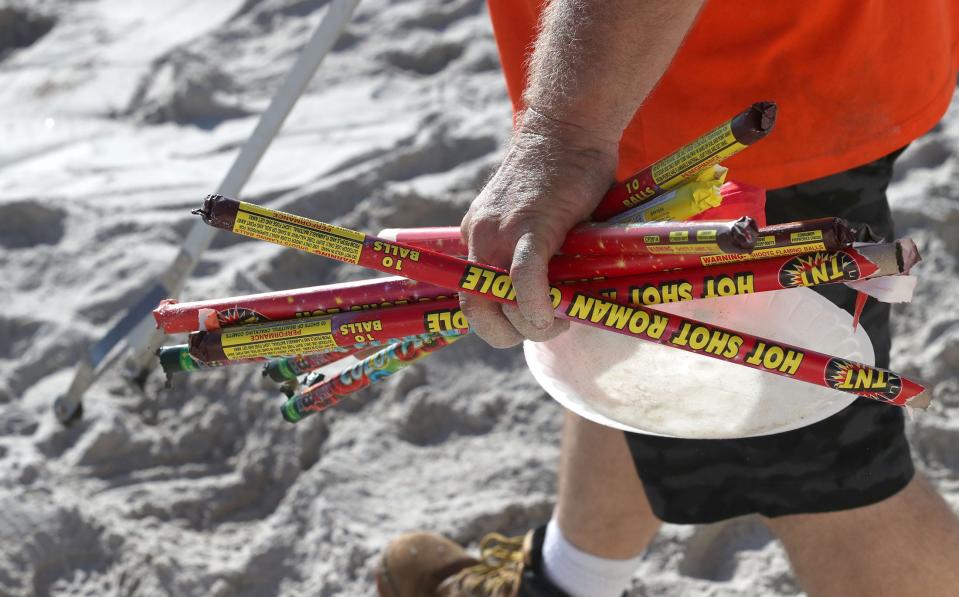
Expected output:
(494, 284)
(309, 335)
(684, 164)
(794, 238)
(369, 371)
(656, 238)
(175, 317)
(440, 239)
(814, 269)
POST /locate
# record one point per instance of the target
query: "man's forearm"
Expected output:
(595, 61)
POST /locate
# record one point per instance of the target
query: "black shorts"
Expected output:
(857, 457)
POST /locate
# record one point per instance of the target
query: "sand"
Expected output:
(116, 118)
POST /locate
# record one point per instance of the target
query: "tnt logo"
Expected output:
(863, 380)
(818, 268)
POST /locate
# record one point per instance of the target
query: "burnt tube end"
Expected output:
(200, 347)
(766, 114)
(755, 123)
(744, 233)
(218, 211)
(845, 234)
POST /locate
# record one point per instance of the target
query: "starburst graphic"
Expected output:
(817, 268)
(862, 380)
(239, 316)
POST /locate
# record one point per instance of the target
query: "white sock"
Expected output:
(581, 574)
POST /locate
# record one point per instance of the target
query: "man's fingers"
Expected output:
(488, 322)
(528, 271)
(527, 329)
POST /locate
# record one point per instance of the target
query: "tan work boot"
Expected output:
(427, 565)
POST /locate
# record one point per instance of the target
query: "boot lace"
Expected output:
(499, 569)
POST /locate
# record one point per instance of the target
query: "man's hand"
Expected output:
(553, 176)
(593, 64)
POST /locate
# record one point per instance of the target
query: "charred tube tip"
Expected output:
(845, 234)
(922, 400)
(755, 123)
(207, 210)
(197, 346)
(766, 115)
(744, 233)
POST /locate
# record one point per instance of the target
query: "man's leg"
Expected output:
(905, 545)
(602, 522)
(602, 507)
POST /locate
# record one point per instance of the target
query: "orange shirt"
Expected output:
(854, 80)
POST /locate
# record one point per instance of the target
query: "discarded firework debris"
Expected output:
(494, 284)
(371, 370)
(794, 238)
(343, 331)
(310, 335)
(687, 162)
(685, 202)
(654, 238)
(175, 317)
(177, 359)
(284, 368)
(812, 269)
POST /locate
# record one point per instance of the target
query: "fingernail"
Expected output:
(541, 323)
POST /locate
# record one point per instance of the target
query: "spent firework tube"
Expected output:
(701, 237)
(175, 317)
(447, 239)
(687, 162)
(781, 240)
(285, 368)
(813, 269)
(494, 284)
(371, 370)
(329, 332)
(684, 203)
(177, 359)
(440, 239)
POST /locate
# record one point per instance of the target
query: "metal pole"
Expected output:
(136, 327)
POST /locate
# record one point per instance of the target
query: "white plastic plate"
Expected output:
(640, 386)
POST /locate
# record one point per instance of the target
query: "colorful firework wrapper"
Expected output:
(175, 317)
(813, 269)
(369, 371)
(687, 162)
(494, 284)
(327, 333)
(284, 368)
